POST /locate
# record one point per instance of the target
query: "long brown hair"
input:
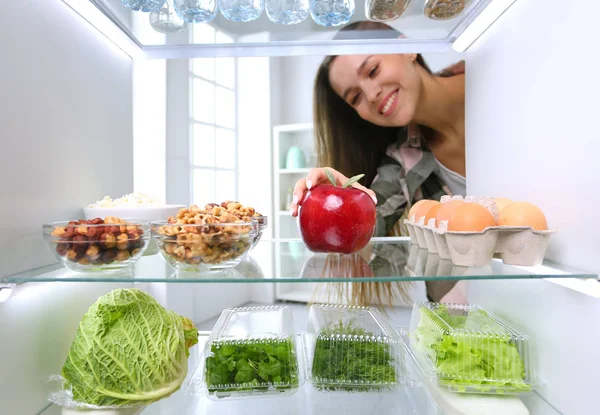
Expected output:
(344, 141)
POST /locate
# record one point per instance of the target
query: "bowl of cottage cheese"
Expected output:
(138, 206)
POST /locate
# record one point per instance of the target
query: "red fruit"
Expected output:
(337, 219)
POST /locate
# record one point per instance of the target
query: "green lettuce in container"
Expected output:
(129, 351)
(467, 350)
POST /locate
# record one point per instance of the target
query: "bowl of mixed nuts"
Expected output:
(214, 237)
(98, 244)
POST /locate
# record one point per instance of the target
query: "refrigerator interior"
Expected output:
(81, 120)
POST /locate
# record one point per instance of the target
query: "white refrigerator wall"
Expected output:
(532, 89)
(65, 124)
(531, 105)
(65, 141)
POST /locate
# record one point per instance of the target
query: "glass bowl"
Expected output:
(208, 246)
(97, 244)
(262, 225)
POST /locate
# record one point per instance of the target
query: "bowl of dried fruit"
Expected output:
(215, 237)
(98, 244)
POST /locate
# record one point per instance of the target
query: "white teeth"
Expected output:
(389, 103)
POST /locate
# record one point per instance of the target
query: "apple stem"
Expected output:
(353, 180)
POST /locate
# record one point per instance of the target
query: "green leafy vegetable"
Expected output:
(128, 351)
(477, 362)
(252, 365)
(351, 364)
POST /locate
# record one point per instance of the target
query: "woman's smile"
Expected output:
(388, 104)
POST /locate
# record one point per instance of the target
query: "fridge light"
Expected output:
(5, 292)
(106, 27)
(485, 19)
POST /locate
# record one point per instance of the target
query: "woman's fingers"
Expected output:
(367, 191)
(319, 176)
(299, 190)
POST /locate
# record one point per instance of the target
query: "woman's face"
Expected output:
(383, 89)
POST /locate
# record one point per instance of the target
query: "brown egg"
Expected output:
(501, 202)
(424, 209)
(432, 213)
(446, 210)
(523, 214)
(470, 217)
(415, 207)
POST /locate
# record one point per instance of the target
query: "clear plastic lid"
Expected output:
(352, 348)
(466, 349)
(252, 351)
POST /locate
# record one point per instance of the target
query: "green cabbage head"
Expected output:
(128, 351)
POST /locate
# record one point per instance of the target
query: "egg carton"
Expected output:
(514, 245)
(423, 263)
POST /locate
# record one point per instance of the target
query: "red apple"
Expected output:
(337, 219)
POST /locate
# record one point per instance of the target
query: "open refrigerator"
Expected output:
(97, 102)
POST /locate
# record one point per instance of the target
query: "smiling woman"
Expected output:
(389, 117)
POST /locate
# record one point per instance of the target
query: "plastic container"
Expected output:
(385, 10)
(352, 349)
(252, 351)
(444, 9)
(98, 244)
(465, 349)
